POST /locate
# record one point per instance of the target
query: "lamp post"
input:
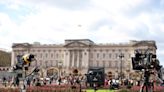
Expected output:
(60, 67)
(121, 56)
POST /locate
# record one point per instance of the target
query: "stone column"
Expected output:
(78, 57)
(65, 58)
(73, 56)
(70, 59)
(85, 58)
(12, 58)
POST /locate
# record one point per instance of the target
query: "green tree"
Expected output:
(5, 58)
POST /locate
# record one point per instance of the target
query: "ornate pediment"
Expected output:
(19, 45)
(76, 44)
(145, 43)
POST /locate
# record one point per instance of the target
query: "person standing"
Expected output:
(17, 81)
(4, 81)
(59, 80)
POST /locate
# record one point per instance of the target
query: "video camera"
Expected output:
(95, 75)
(149, 64)
(145, 60)
(24, 60)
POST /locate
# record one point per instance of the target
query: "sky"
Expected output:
(102, 21)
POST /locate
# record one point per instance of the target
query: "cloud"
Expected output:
(67, 4)
(53, 16)
(53, 21)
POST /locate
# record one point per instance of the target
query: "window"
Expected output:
(56, 63)
(107, 50)
(46, 64)
(103, 63)
(97, 63)
(40, 55)
(35, 55)
(91, 63)
(49, 51)
(97, 55)
(51, 55)
(110, 55)
(81, 55)
(46, 55)
(62, 55)
(91, 55)
(51, 64)
(116, 55)
(103, 55)
(129, 55)
(57, 55)
(54, 54)
(123, 64)
(116, 64)
(109, 62)
(40, 63)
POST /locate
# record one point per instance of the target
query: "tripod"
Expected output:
(149, 85)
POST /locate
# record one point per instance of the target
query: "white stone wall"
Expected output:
(80, 56)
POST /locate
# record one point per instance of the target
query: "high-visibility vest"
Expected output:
(26, 58)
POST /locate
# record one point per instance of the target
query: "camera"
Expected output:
(145, 60)
(149, 64)
(95, 76)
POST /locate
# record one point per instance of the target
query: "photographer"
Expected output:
(149, 64)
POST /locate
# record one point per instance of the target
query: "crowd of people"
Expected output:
(64, 80)
(10, 81)
(68, 80)
(38, 81)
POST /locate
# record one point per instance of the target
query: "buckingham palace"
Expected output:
(77, 55)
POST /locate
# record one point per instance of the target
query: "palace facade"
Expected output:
(77, 55)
